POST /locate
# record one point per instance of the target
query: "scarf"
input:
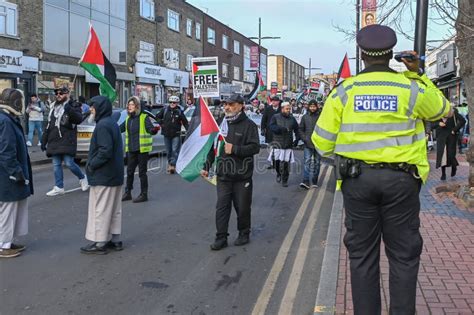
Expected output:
(9, 110)
(230, 119)
(58, 112)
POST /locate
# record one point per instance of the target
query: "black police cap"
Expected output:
(376, 40)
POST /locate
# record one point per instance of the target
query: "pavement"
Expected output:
(446, 276)
(166, 266)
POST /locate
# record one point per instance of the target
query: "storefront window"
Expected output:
(144, 93)
(5, 84)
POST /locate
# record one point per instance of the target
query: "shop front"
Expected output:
(55, 75)
(18, 71)
(155, 84)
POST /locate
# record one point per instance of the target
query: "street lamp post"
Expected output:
(260, 39)
(309, 70)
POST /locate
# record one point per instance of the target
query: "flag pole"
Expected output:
(80, 59)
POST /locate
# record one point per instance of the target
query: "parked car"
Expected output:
(85, 130)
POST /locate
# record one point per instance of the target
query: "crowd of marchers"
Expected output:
(104, 172)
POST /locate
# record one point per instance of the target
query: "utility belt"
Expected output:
(352, 168)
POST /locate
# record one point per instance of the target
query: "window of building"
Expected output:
(173, 20)
(225, 70)
(237, 73)
(225, 42)
(211, 36)
(147, 9)
(236, 47)
(189, 62)
(8, 19)
(189, 27)
(198, 31)
(108, 18)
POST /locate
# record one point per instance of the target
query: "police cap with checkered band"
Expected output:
(376, 40)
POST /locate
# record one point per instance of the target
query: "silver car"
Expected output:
(85, 130)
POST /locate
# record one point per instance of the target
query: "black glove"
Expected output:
(43, 146)
(295, 143)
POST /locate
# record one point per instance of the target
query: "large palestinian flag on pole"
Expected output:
(94, 61)
(258, 87)
(201, 134)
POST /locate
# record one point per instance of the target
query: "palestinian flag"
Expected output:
(204, 67)
(220, 140)
(258, 87)
(344, 70)
(94, 61)
(202, 132)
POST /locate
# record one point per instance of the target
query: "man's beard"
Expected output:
(91, 118)
(231, 114)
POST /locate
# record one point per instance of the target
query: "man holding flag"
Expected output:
(234, 170)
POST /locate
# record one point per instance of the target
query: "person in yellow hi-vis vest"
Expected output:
(138, 130)
(373, 125)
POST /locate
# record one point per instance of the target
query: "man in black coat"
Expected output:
(284, 126)
(171, 119)
(447, 133)
(234, 170)
(105, 172)
(270, 110)
(312, 160)
(60, 139)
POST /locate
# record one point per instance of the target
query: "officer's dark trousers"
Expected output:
(383, 203)
(134, 159)
(239, 194)
(283, 169)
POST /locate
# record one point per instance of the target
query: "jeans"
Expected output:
(32, 126)
(172, 149)
(312, 165)
(135, 159)
(58, 170)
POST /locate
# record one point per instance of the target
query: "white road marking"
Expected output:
(267, 290)
(286, 305)
(125, 176)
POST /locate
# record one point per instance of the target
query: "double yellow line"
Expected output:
(286, 304)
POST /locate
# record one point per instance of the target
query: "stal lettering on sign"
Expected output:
(11, 61)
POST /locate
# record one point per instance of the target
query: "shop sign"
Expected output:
(145, 56)
(171, 77)
(10, 61)
(205, 77)
(445, 61)
(254, 57)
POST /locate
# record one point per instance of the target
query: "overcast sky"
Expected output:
(306, 27)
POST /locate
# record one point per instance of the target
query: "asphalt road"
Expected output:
(167, 266)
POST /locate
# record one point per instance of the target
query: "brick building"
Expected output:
(233, 51)
(287, 73)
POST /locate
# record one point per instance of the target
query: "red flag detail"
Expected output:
(93, 53)
(208, 123)
(344, 70)
(195, 68)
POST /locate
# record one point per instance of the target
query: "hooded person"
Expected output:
(283, 126)
(16, 182)
(105, 172)
(138, 130)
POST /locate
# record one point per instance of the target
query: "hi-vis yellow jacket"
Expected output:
(377, 117)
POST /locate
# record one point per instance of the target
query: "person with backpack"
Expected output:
(171, 118)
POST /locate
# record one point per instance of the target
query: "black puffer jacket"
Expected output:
(63, 140)
(171, 121)
(268, 113)
(283, 128)
(238, 166)
(307, 124)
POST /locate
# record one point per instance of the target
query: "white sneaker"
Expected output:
(28, 143)
(55, 191)
(39, 143)
(84, 184)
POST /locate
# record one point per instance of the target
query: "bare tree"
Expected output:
(459, 14)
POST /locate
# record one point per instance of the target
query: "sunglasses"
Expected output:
(59, 93)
